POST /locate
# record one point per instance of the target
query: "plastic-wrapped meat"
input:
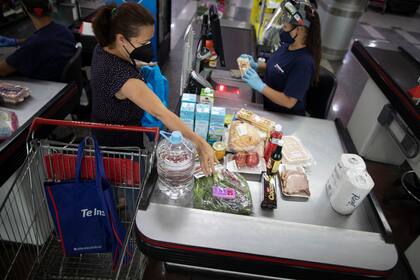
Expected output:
(295, 183)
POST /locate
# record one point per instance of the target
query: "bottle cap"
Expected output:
(176, 137)
(278, 127)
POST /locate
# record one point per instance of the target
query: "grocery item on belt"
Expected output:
(294, 152)
(224, 191)
(268, 195)
(13, 94)
(243, 64)
(294, 182)
(264, 124)
(244, 137)
(244, 162)
(8, 124)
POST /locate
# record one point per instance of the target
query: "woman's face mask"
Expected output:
(143, 53)
(286, 38)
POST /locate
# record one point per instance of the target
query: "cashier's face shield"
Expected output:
(293, 13)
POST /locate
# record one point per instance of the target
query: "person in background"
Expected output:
(119, 93)
(292, 68)
(44, 54)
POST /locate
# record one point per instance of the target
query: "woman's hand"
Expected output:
(207, 156)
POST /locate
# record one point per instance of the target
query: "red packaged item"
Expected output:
(272, 143)
(240, 159)
(252, 160)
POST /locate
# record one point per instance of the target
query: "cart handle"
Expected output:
(116, 127)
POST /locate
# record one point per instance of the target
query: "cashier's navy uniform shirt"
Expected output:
(109, 74)
(290, 72)
(44, 54)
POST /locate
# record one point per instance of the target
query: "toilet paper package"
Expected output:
(347, 162)
(351, 189)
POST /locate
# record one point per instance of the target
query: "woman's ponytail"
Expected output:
(102, 25)
(313, 39)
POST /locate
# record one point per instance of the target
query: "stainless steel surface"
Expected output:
(41, 93)
(219, 271)
(338, 21)
(309, 231)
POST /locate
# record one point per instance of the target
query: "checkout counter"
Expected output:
(48, 100)
(385, 124)
(303, 240)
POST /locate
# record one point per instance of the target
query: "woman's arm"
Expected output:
(6, 69)
(138, 92)
(279, 97)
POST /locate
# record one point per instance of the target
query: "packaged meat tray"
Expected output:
(295, 153)
(294, 182)
(13, 94)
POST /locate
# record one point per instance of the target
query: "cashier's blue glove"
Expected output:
(252, 61)
(8, 42)
(253, 80)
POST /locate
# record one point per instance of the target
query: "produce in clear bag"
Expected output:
(244, 137)
(224, 191)
(8, 124)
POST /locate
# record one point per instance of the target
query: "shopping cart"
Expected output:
(29, 246)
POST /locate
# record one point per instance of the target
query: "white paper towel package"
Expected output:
(349, 184)
(347, 162)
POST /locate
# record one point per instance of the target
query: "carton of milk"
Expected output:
(187, 112)
(216, 127)
(202, 118)
(207, 96)
(189, 98)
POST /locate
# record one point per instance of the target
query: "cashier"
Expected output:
(119, 93)
(292, 69)
(44, 54)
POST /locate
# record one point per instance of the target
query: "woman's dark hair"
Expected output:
(38, 8)
(313, 39)
(125, 19)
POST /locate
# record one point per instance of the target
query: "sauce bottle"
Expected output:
(272, 143)
(275, 160)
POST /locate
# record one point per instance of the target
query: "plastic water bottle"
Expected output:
(175, 164)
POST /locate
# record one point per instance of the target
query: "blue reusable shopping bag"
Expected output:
(84, 212)
(159, 85)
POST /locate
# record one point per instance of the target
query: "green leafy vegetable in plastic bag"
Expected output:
(204, 198)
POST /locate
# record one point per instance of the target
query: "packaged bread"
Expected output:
(243, 64)
(294, 152)
(264, 124)
(243, 137)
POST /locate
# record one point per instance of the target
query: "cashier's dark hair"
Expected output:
(313, 39)
(125, 19)
(38, 8)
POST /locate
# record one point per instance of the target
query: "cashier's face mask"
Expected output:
(286, 38)
(143, 53)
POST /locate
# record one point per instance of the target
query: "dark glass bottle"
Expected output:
(275, 160)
